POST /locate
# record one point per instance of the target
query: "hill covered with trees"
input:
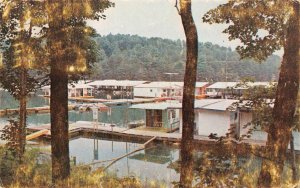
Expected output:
(140, 58)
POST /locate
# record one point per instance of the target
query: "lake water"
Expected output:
(158, 162)
(119, 115)
(7, 101)
(150, 164)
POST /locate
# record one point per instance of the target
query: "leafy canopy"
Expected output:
(21, 47)
(68, 36)
(260, 25)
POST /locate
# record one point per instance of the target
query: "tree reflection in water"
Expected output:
(225, 164)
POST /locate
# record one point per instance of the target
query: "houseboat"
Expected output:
(74, 90)
(167, 89)
(218, 117)
(114, 89)
(229, 89)
(161, 116)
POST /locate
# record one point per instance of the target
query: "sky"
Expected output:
(159, 18)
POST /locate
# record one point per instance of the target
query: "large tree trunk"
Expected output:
(279, 133)
(59, 122)
(22, 114)
(187, 149)
(57, 41)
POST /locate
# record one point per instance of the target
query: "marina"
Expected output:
(124, 118)
(128, 135)
(149, 94)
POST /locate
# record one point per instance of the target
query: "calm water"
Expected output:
(151, 164)
(119, 115)
(158, 162)
(7, 101)
(155, 163)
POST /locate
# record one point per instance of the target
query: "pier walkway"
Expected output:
(33, 110)
(115, 102)
(258, 138)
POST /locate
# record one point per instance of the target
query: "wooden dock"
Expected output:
(89, 128)
(116, 102)
(33, 110)
(37, 134)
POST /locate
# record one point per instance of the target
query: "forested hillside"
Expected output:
(140, 58)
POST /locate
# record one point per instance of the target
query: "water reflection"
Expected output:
(151, 164)
(214, 166)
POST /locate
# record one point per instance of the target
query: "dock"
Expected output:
(116, 102)
(33, 110)
(37, 134)
(109, 103)
(102, 129)
(87, 127)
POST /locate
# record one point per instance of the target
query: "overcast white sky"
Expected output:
(159, 18)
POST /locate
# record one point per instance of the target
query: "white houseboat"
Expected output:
(229, 89)
(217, 117)
(74, 90)
(166, 89)
(163, 115)
(115, 89)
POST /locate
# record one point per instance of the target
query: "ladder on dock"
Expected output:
(37, 134)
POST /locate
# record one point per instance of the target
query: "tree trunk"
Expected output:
(22, 114)
(279, 132)
(187, 148)
(59, 122)
(57, 43)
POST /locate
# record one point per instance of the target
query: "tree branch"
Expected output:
(176, 6)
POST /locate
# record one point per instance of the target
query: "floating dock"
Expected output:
(116, 102)
(108, 131)
(33, 110)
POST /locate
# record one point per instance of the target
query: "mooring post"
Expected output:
(112, 126)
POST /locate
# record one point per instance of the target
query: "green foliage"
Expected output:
(224, 165)
(260, 25)
(10, 78)
(22, 50)
(7, 164)
(35, 169)
(36, 172)
(140, 58)
(11, 134)
(260, 101)
(29, 173)
(29, 31)
(68, 36)
(216, 169)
